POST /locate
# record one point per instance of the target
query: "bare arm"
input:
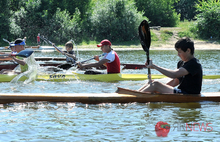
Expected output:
(97, 64)
(71, 56)
(167, 72)
(21, 62)
(173, 82)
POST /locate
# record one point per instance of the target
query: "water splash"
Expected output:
(31, 73)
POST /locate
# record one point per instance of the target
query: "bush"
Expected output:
(208, 22)
(31, 20)
(116, 20)
(159, 12)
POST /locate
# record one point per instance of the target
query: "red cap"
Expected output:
(104, 42)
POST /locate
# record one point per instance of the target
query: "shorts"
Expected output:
(178, 91)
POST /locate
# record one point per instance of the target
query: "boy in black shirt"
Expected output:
(187, 76)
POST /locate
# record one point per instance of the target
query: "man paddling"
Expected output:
(187, 76)
(111, 59)
(18, 46)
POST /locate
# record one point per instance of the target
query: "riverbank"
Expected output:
(199, 45)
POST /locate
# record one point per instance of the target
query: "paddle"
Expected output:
(66, 55)
(23, 53)
(57, 48)
(145, 39)
(6, 40)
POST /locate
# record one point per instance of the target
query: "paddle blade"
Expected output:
(24, 53)
(144, 35)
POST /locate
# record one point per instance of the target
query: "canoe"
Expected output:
(124, 96)
(90, 77)
(171, 98)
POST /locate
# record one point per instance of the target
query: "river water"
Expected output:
(51, 122)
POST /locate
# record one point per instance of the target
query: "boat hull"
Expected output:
(89, 77)
(98, 77)
(171, 98)
(94, 98)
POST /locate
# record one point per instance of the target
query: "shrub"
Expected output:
(116, 20)
(208, 22)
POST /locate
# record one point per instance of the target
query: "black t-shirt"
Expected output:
(68, 59)
(192, 82)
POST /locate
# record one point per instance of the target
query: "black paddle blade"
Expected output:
(144, 35)
(25, 53)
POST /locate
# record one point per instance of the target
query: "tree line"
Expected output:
(94, 20)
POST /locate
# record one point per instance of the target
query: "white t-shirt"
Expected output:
(110, 56)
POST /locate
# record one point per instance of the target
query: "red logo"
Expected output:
(162, 129)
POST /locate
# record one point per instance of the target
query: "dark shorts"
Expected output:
(178, 91)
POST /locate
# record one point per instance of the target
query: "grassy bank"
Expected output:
(160, 37)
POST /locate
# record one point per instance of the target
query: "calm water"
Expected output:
(51, 122)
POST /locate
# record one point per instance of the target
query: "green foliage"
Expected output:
(116, 20)
(186, 9)
(154, 36)
(165, 35)
(208, 25)
(63, 28)
(4, 20)
(30, 20)
(159, 12)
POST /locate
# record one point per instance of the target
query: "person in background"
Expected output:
(19, 45)
(12, 47)
(111, 59)
(187, 76)
(38, 39)
(70, 56)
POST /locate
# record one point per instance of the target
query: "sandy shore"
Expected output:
(199, 45)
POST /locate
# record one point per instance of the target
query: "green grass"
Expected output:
(183, 29)
(165, 35)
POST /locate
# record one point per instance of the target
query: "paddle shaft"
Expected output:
(88, 59)
(6, 40)
(56, 48)
(148, 61)
(145, 38)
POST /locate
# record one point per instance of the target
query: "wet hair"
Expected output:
(69, 44)
(185, 43)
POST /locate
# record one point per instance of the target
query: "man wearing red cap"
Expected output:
(111, 59)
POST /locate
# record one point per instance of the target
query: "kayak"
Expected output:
(171, 98)
(98, 77)
(123, 96)
(12, 66)
(77, 76)
(105, 77)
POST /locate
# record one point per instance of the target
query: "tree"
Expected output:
(208, 19)
(159, 12)
(186, 9)
(32, 19)
(4, 20)
(116, 20)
